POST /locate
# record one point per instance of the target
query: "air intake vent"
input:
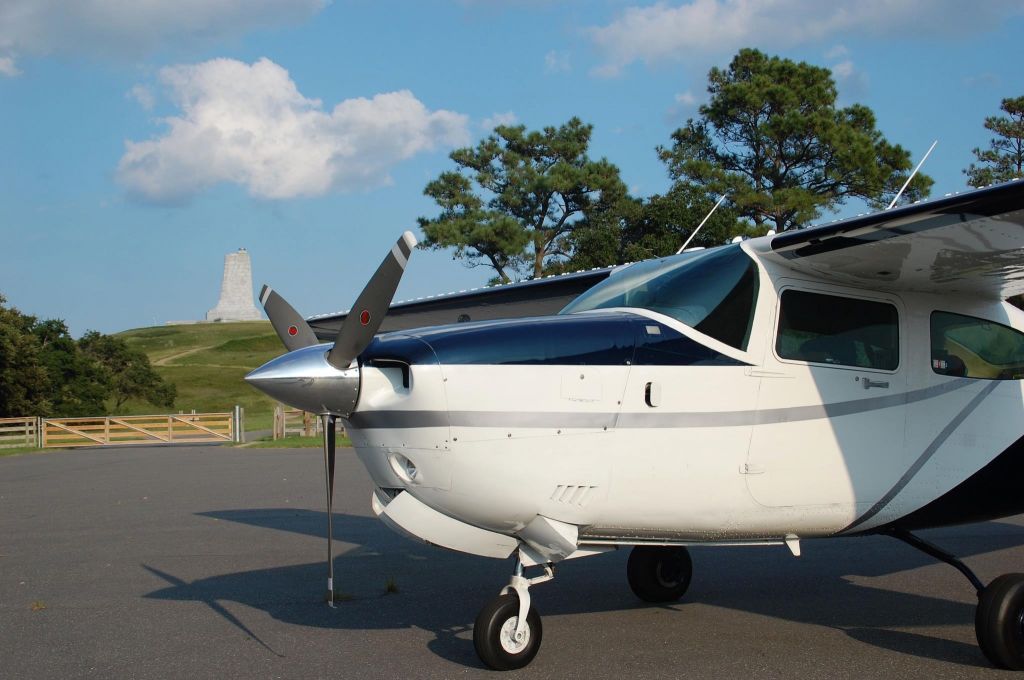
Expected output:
(391, 493)
(572, 494)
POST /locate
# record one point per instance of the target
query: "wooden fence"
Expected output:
(181, 428)
(17, 432)
(293, 422)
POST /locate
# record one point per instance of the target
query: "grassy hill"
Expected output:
(207, 362)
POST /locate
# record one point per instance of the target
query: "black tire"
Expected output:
(492, 630)
(659, 573)
(999, 622)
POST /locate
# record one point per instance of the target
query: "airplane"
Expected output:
(854, 378)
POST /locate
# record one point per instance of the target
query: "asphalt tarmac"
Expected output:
(208, 562)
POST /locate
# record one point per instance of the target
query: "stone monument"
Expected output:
(236, 302)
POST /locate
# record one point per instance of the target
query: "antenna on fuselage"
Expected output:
(706, 218)
(905, 184)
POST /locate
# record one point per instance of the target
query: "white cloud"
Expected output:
(685, 99)
(664, 32)
(608, 70)
(507, 118)
(983, 80)
(851, 82)
(557, 62)
(682, 103)
(7, 67)
(144, 96)
(135, 27)
(837, 52)
(843, 70)
(249, 125)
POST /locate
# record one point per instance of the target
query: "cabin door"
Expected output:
(831, 409)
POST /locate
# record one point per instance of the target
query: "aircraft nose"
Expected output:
(304, 379)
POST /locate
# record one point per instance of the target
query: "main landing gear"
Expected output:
(659, 573)
(999, 618)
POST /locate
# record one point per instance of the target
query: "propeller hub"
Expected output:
(304, 379)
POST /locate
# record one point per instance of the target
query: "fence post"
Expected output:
(238, 424)
(278, 432)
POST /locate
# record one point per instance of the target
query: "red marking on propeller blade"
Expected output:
(292, 330)
(364, 317)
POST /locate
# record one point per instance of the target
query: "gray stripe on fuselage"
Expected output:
(771, 416)
(924, 457)
(522, 419)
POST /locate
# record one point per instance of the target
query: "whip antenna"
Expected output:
(903, 188)
(706, 218)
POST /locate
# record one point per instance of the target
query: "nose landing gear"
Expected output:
(507, 633)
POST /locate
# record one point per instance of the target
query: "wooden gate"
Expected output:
(135, 430)
(18, 432)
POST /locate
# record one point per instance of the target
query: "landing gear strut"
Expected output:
(508, 631)
(999, 618)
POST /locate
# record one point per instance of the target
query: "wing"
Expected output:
(538, 297)
(967, 243)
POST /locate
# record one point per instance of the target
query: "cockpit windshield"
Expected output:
(712, 291)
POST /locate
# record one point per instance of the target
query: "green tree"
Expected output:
(639, 229)
(77, 385)
(772, 138)
(1004, 158)
(517, 196)
(23, 379)
(45, 372)
(129, 373)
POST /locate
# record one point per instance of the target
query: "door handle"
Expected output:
(652, 394)
(869, 383)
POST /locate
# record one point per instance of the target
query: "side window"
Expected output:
(829, 329)
(974, 348)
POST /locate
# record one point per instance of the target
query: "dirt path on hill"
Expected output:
(166, 361)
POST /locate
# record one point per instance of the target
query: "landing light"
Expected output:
(403, 467)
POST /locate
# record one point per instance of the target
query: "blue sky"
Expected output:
(141, 142)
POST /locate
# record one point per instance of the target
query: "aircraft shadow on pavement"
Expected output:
(442, 591)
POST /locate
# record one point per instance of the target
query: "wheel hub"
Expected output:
(669, 573)
(509, 642)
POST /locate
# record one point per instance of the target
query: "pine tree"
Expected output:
(772, 138)
(1003, 160)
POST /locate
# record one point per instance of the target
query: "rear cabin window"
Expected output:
(975, 348)
(829, 329)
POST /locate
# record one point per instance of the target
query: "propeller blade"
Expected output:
(329, 469)
(293, 330)
(372, 304)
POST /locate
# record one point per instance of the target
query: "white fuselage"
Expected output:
(761, 450)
